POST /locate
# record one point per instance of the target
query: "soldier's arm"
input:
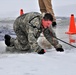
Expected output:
(33, 35)
(50, 36)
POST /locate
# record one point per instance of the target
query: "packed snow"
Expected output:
(50, 63)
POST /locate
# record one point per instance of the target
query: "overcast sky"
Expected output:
(12, 7)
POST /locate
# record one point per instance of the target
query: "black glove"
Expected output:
(60, 49)
(54, 24)
(42, 51)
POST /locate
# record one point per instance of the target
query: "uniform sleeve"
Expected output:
(52, 31)
(50, 36)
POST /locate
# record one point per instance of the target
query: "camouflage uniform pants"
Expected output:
(25, 41)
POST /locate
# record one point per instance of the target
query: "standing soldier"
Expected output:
(46, 7)
(28, 28)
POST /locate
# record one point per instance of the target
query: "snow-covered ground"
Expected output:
(51, 63)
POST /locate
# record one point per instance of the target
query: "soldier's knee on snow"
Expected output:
(58, 46)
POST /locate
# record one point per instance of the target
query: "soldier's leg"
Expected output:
(49, 8)
(21, 42)
(42, 6)
(33, 43)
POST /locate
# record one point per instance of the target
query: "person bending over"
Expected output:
(28, 28)
(46, 7)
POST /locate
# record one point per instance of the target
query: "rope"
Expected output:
(65, 42)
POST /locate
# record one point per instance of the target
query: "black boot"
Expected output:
(7, 39)
(60, 49)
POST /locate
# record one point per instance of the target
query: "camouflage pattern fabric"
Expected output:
(27, 35)
(50, 36)
(28, 28)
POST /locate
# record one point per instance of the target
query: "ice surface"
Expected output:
(51, 63)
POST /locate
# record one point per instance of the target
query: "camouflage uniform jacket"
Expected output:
(28, 28)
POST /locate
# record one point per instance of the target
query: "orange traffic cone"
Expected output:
(71, 40)
(72, 27)
(21, 12)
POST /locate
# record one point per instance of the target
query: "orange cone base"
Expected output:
(70, 32)
(72, 41)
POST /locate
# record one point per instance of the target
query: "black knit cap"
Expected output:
(48, 16)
